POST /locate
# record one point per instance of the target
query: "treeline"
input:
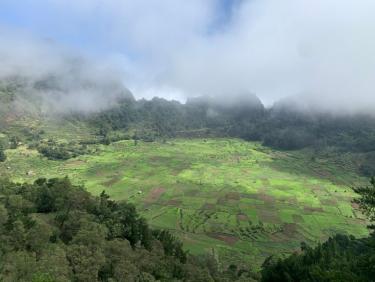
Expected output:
(341, 258)
(281, 127)
(159, 118)
(52, 230)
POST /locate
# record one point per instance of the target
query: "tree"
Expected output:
(91, 234)
(52, 230)
(18, 235)
(124, 270)
(37, 236)
(3, 214)
(172, 246)
(18, 266)
(85, 262)
(366, 201)
(54, 262)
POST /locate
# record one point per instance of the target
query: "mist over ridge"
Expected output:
(318, 53)
(61, 79)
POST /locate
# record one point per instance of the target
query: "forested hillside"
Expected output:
(279, 127)
(283, 126)
(54, 231)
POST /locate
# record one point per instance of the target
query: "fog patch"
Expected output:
(60, 80)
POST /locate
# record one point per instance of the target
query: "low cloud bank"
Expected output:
(63, 79)
(319, 52)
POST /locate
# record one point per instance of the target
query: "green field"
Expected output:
(237, 200)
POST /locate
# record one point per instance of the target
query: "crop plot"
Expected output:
(236, 199)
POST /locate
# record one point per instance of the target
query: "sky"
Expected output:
(321, 50)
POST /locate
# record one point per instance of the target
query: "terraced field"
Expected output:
(235, 199)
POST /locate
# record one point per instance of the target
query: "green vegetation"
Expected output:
(236, 204)
(282, 127)
(3, 157)
(54, 231)
(341, 258)
(61, 151)
(235, 200)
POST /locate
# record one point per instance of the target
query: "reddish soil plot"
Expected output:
(290, 229)
(249, 196)
(176, 172)
(289, 201)
(242, 217)
(297, 218)
(355, 206)
(112, 181)
(233, 196)
(225, 201)
(228, 239)
(269, 216)
(288, 232)
(266, 198)
(156, 159)
(191, 193)
(154, 195)
(312, 209)
(174, 202)
(329, 202)
(279, 237)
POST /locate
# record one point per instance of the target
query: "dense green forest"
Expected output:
(281, 127)
(52, 230)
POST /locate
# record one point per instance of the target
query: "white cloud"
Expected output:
(278, 48)
(320, 48)
(75, 82)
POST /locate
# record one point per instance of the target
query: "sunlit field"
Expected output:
(234, 199)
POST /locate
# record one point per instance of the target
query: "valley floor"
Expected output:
(237, 200)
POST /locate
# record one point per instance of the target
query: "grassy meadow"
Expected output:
(237, 200)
